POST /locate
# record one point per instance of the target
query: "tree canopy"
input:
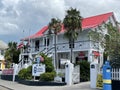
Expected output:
(72, 23)
(12, 53)
(54, 26)
(109, 41)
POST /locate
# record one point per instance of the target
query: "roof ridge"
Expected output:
(98, 15)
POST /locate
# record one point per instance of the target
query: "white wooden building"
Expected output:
(84, 47)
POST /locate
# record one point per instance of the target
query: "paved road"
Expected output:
(4, 88)
(17, 86)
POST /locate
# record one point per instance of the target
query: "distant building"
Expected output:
(84, 47)
(3, 47)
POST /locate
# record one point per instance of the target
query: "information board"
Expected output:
(38, 69)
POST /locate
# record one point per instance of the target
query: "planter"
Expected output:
(9, 77)
(40, 83)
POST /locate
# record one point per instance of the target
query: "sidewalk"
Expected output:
(17, 86)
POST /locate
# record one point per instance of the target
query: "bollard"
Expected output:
(107, 76)
(93, 74)
(68, 73)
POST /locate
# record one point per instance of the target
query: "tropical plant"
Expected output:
(72, 24)
(12, 53)
(48, 76)
(110, 42)
(84, 71)
(50, 72)
(25, 73)
(48, 63)
(54, 28)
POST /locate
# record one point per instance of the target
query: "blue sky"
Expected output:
(20, 18)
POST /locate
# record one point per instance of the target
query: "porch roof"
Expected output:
(89, 22)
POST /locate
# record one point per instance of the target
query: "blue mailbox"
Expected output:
(107, 76)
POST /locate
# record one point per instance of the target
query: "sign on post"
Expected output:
(38, 69)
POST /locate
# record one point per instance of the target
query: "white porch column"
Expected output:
(101, 59)
(46, 43)
(90, 56)
(43, 41)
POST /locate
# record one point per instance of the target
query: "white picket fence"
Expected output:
(115, 73)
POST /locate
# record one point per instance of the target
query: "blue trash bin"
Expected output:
(107, 76)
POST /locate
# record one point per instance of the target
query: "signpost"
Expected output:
(38, 68)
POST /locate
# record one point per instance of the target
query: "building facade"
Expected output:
(84, 47)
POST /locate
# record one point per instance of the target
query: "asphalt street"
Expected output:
(4, 88)
(9, 85)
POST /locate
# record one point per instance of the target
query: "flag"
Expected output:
(41, 59)
(20, 45)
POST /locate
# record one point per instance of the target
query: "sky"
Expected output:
(21, 18)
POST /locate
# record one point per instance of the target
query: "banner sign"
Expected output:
(8, 71)
(38, 69)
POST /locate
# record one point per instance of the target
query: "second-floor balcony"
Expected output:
(63, 47)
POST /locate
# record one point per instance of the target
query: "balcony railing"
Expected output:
(61, 47)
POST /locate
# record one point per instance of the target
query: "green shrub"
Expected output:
(48, 63)
(48, 76)
(84, 71)
(21, 73)
(25, 74)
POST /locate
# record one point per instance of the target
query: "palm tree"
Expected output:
(54, 28)
(72, 25)
(12, 53)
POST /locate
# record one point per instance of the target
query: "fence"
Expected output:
(76, 74)
(115, 78)
(115, 73)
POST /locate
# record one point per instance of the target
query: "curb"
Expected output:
(6, 87)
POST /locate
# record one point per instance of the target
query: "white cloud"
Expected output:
(8, 28)
(31, 15)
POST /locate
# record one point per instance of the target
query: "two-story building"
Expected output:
(84, 47)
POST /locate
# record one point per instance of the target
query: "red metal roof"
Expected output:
(38, 34)
(89, 22)
(94, 21)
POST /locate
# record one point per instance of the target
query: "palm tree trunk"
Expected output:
(71, 56)
(71, 48)
(56, 61)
